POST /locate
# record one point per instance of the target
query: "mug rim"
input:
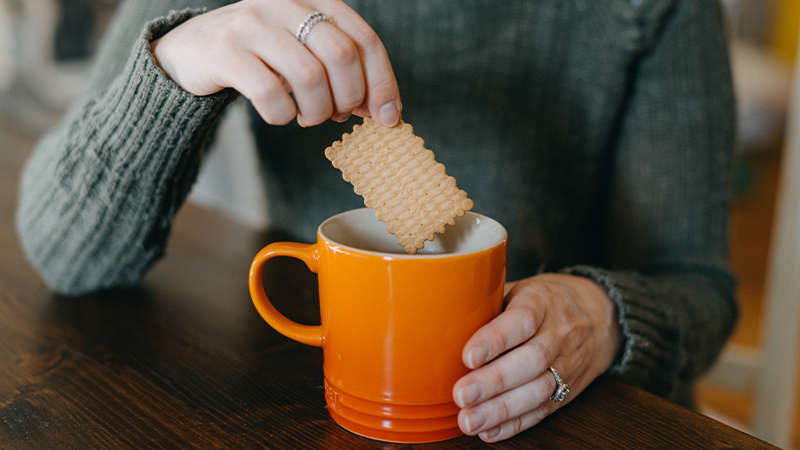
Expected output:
(324, 237)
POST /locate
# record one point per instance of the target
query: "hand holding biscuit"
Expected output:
(251, 46)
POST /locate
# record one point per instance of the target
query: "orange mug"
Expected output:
(393, 325)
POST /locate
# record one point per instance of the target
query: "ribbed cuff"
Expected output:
(143, 76)
(102, 190)
(171, 128)
(649, 354)
(145, 105)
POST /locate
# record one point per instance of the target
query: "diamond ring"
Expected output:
(313, 18)
(562, 389)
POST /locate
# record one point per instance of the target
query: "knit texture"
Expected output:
(598, 133)
(115, 177)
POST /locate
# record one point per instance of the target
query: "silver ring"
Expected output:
(305, 28)
(562, 389)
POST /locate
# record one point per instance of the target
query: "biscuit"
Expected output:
(400, 180)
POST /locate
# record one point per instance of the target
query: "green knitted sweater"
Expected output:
(599, 132)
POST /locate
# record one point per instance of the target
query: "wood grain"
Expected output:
(185, 361)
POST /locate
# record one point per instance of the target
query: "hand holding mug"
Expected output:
(251, 46)
(552, 320)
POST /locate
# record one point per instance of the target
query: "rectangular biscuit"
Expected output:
(400, 180)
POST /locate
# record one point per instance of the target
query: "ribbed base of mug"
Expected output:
(407, 424)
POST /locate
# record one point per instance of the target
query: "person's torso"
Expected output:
(519, 99)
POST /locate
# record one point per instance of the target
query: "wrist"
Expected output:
(598, 304)
(610, 323)
(160, 58)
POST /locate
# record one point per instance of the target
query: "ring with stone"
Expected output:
(561, 390)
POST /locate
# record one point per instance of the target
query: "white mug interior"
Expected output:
(359, 229)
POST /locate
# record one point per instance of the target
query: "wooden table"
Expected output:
(185, 360)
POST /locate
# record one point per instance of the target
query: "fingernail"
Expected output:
(473, 421)
(468, 395)
(489, 434)
(477, 356)
(389, 114)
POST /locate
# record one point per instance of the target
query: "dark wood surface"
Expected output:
(185, 361)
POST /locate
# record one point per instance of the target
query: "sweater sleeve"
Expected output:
(665, 238)
(99, 191)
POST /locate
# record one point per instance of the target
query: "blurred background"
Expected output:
(46, 48)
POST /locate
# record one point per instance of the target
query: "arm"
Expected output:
(660, 305)
(666, 232)
(99, 191)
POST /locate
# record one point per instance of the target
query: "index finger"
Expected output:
(511, 328)
(383, 95)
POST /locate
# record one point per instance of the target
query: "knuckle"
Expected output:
(527, 321)
(277, 112)
(575, 328)
(541, 352)
(367, 38)
(515, 425)
(247, 20)
(503, 411)
(499, 382)
(227, 36)
(349, 97)
(537, 289)
(496, 412)
(237, 24)
(383, 89)
(563, 291)
(310, 75)
(567, 328)
(584, 324)
(280, 117)
(263, 93)
(279, 122)
(349, 103)
(342, 52)
(496, 338)
(315, 120)
(554, 290)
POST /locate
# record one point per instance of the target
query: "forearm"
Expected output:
(674, 324)
(99, 191)
(664, 230)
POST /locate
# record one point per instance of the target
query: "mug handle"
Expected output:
(306, 334)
